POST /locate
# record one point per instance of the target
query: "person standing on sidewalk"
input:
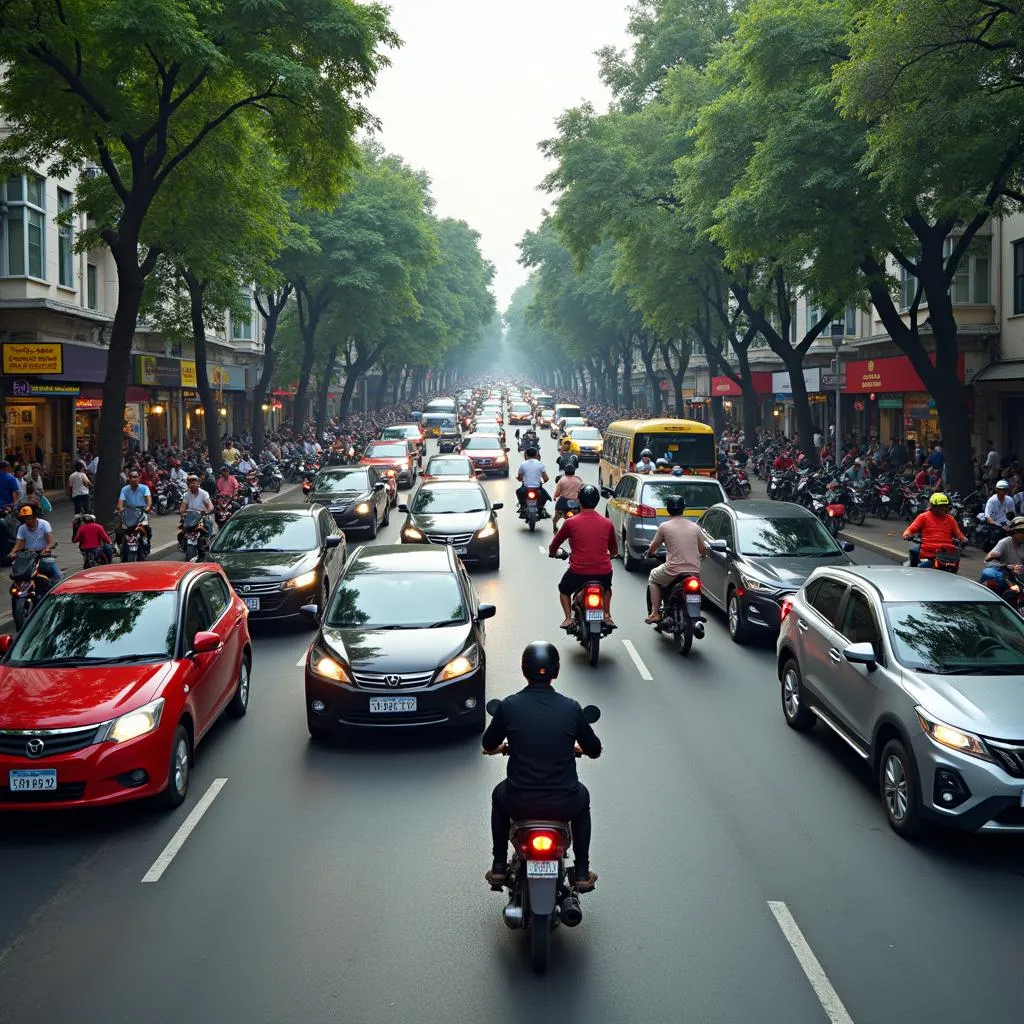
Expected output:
(80, 489)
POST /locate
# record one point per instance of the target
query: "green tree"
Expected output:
(140, 89)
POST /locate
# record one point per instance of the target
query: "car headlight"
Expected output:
(134, 723)
(362, 509)
(952, 737)
(756, 585)
(486, 531)
(411, 533)
(500, 458)
(461, 665)
(307, 579)
(327, 667)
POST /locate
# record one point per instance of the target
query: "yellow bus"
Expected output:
(686, 443)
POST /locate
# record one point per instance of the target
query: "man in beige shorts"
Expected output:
(685, 548)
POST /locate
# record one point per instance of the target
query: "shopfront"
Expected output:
(784, 411)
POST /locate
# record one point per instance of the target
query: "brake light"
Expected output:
(785, 607)
(542, 843)
(646, 512)
(594, 598)
(692, 584)
(531, 495)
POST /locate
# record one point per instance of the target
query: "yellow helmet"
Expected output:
(937, 499)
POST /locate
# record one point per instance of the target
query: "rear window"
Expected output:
(475, 443)
(687, 450)
(384, 451)
(696, 495)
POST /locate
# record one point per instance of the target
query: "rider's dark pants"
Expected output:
(574, 808)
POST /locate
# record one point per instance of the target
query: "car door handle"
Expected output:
(802, 626)
(835, 655)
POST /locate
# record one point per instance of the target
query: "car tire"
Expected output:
(179, 769)
(373, 526)
(739, 633)
(387, 517)
(629, 563)
(900, 790)
(239, 703)
(794, 707)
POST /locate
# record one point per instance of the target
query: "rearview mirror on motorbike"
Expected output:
(591, 713)
(492, 707)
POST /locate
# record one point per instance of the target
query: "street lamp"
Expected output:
(265, 407)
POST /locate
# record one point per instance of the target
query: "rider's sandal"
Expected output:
(652, 620)
(586, 884)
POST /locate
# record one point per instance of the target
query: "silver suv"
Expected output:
(922, 674)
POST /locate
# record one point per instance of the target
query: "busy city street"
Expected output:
(747, 872)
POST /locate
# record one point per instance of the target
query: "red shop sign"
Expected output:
(724, 387)
(762, 382)
(890, 374)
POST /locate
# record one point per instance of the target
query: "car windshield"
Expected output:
(401, 432)
(449, 467)
(794, 536)
(585, 434)
(386, 451)
(691, 451)
(140, 625)
(696, 495)
(474, 443)
(438, 500)
(957, 637)
(393, 600)
(269, 531)
(571, 422)
(355, 482)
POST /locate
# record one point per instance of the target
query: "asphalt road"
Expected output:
(746, 872)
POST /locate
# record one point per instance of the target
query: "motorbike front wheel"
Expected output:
(192, 553)
(540, 942)
(856, 515)
(20, 607)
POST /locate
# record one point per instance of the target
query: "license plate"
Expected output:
(33, 781)
(532, 506)
(461, 551)
(252, 603)
(391, 705)
(693, 603)
(542, 869)
(593, 616)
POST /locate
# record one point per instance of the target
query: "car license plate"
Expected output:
(252, 603)
(542, 869)
(593, 616)
(33, 781)
(392, 705)
(693, 603)
(461, 551)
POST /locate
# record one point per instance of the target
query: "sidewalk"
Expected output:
(884, 536)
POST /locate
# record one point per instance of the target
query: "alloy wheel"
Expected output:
(894, 788)
(791, 693)
(179, 775)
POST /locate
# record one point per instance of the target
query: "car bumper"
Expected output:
(495, 469)
(995, 800)
(454, 704)
(351, 521)
(763, 612)
(279, 604)
(95, 776)
(588, 455)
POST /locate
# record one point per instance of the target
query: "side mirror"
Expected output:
(334, 540)
(312, 612)
(378, 486)
(486, 611)
(492, 706)
(861, 654)
(6, 640)
(607, 492)
(497, 505)
(591, 713)
(720, 546)
(403, 507)
(847, 545)
(206, 642)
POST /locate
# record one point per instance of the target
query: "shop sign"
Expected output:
(890, 374)
(783, 397)
(782, 385)
(828, 381)
(688, 392)
(21, 388)
(157, 371)
(725, 387)
(33, 359)
(890, 403)
(89, 404)
(187, 377)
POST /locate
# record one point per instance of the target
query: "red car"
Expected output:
(114, 679)
(392, 459)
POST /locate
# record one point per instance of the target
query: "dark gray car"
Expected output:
(762, 552)
(356, 497)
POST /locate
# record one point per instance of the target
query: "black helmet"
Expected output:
(540, 661)
(570, 469)
(676, 504)
(589, 496)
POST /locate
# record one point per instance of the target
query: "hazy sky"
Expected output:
(474, 89)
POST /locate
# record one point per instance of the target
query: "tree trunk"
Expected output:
(130, 283)
(211, 423)
(354, 372)
(310, 310)
(749, 395)
(324, 390)
(626, 356)
(647, 355)
(382, 388)
(271, 311)
(677, 370)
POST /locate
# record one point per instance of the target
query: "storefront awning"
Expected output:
(1012, 369)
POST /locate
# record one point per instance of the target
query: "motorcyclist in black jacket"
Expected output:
(542, 728)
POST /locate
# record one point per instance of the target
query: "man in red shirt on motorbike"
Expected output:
(592, 546)
(783, 461)
(938, 529)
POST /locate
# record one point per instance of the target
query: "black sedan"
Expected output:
(458, 514)
(401, 643)
(761, 552)
(356, 497)
(280, 557)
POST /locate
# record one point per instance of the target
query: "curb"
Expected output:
(876, 546)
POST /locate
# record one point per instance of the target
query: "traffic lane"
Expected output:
(807, 811)
(364, 855)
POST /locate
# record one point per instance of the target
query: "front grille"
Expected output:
(399, 718)
(64, 791)
(339, 507)
(379, 680)
(15, 743)
(256, 589)
(1009, 756)
(458, 539)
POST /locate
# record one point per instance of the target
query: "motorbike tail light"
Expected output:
(692, 585)
(646, 512)
(785, 607)
(593, 597)
(542, 842)
(531, 495)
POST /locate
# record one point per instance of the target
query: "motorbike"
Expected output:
(680, 612)
(587, 610)
(28, 585)
(532, 509)
(271, 477)
(223, 509)
(252, 480)
(162, 493)
(193, 538)
(9, 523)
(542, 888)
(1010, 588)
(946, 560)
(134, 542)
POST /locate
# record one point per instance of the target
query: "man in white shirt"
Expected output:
(93, 467)
(246, 465)
(35, 534)
(532, 473)
(991, 464)
(999, 509)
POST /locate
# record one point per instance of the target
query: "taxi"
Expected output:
(586, 443)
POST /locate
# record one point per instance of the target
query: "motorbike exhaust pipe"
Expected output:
(698, 630)
(570, 912)
(513, 916)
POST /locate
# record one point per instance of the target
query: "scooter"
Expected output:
(1010, 588)
(588, 625)
(542, 889)
(946, 560)
(134, 542)
(28, 585)
(193, 538)
(532, 509)
(680, 612)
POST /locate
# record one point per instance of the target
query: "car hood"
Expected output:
(989, 705)
(788, 572)
(348, 498)
(63, 698)
(450, 522)
(397, 650)
(253, 565)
